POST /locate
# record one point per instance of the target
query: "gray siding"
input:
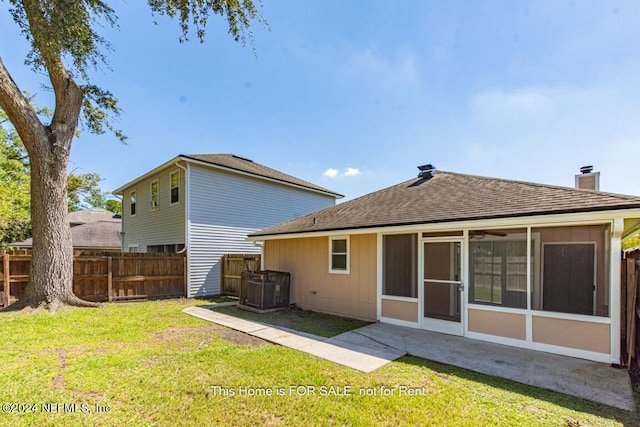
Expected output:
(225, 208)
(162, 226)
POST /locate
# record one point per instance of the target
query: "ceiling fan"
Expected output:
(479, 234)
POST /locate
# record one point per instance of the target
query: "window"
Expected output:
(175, 187)
(134, 248)
(498, 272)
(339, 255)
(154, 195)
(133, 203)
(170, 248)
(399, 265)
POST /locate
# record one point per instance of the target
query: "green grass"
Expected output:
(153, 365)
(310, 322)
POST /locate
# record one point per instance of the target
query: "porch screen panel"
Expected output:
(498, 272)
(400, 265)
(573, 267)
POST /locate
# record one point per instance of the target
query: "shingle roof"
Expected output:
(450, 197)
(245, 165)
(90, 215)
(99, 234)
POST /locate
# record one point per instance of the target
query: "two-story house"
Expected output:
(206, 205)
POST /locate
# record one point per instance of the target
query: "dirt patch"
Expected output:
(58, 380)
(59, 384)
(241, 338)
(206, 334)
(634, 374)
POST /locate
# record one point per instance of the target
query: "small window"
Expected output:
(339, 255)
(134, 248)
(133, 203)
(175, 187)
(154, 195)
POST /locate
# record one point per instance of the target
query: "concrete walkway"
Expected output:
(363, 358)
(593, 381)
(375, 345)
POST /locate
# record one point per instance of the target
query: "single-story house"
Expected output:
(530, 265)
(91, 229)
(206, 205)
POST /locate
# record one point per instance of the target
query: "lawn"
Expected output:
(320, 324)
(149, 364)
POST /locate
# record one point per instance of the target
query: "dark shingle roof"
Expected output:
(451, 197)
(245, 165)
(98, 234)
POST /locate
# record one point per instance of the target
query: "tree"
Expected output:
(632, 242)
(84, 192)
(15, 219)
(65, 45)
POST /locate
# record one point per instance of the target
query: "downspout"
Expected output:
(260, 244)
(187, 217)
(121, 233)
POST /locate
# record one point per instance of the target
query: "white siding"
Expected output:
(162, 226)
(225, 208)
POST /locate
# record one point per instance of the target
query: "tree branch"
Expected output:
(20, 111)
(68, 95)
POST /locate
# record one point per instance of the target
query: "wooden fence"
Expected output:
(631, 306)
(231, 271)
(104, 276)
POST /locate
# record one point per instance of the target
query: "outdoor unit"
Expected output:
(264, 290)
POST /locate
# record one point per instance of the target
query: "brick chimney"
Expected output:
(588, 179)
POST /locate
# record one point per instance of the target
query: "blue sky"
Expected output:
(353, 95)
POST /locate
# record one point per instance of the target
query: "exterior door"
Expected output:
(442, 286)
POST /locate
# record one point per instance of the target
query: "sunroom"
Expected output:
(550, 287)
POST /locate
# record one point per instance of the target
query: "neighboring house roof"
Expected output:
(90, 215)
(238, 164)
(448, 197)
(93, 235)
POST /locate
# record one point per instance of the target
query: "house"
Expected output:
(530, 265)
(91, 229)
(206, 205)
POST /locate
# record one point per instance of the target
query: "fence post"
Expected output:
(223, 279)
(186, 276)
(6, 278)
(109, 279)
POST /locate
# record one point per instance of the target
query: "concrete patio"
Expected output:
(371, 347)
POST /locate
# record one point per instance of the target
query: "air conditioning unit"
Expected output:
(264, 290)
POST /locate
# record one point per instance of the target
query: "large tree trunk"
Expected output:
(51, 277)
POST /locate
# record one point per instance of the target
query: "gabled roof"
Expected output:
(448, 197)
(231, 162)
(93, 235)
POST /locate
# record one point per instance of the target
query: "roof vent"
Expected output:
(586, 169)
(426, 171)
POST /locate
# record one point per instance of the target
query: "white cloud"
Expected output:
(331, 173)
(334, 173)
(351, 172)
